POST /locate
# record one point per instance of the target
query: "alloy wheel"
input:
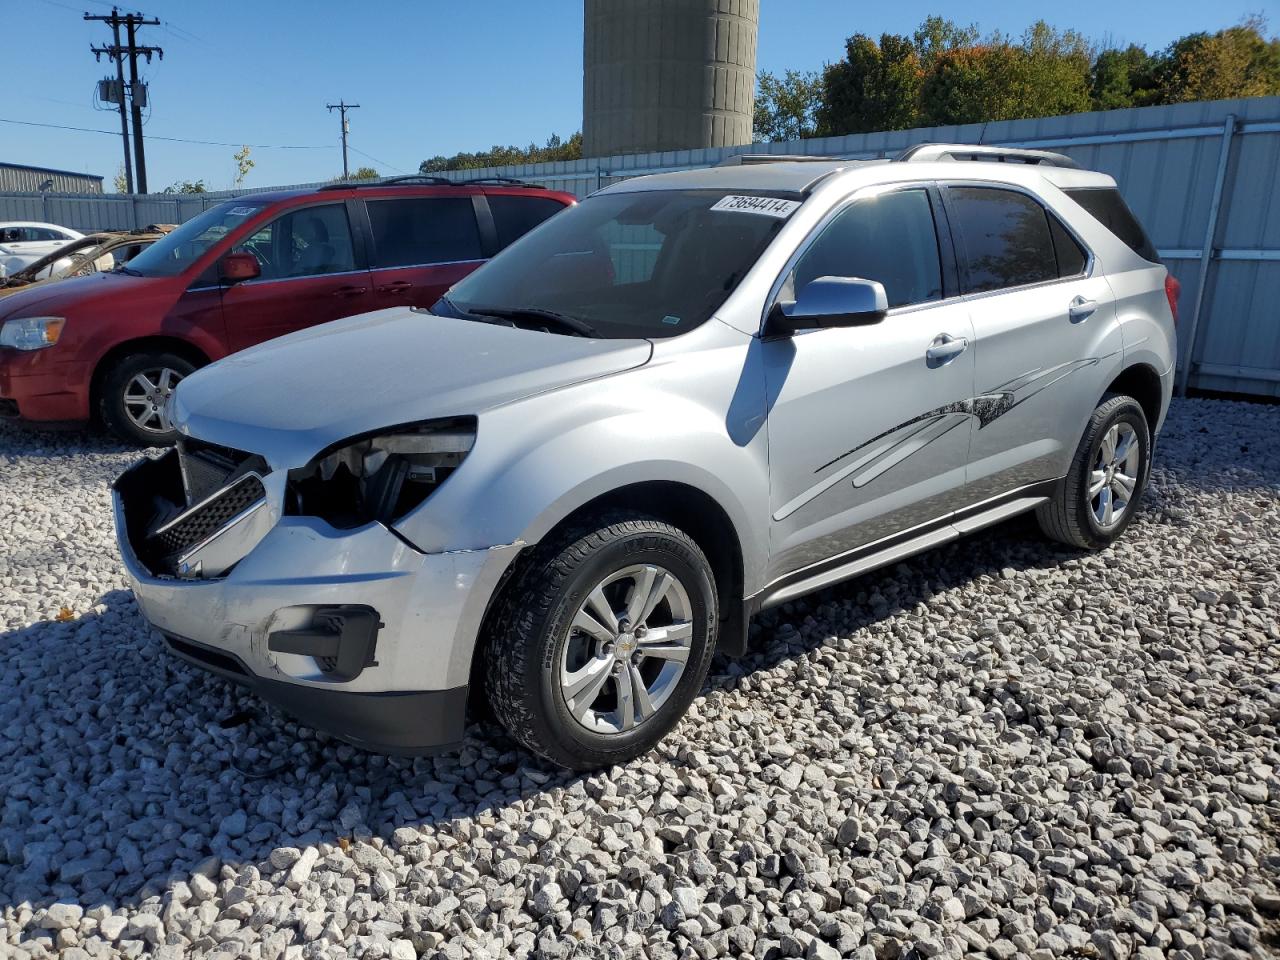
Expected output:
(1113, 481)
(146, 398)
(626, 649)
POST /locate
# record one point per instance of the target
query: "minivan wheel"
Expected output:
(133, 395)
(1100, 495)
(602, 641)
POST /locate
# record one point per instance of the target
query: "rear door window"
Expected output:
(1004, 238)
(1071, 256)
(889, 238)
(514, 216)
(423, 230)
(1108, 208)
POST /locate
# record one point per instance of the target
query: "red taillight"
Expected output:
(1172, 288)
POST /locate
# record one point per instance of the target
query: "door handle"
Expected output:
(945, 348)
(1081, 309)
(396, 286)
(350, 291)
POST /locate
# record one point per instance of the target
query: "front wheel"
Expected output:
(601, 643)
(1098, 498)
(134, 395)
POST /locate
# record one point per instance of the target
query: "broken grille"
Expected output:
(203, 521)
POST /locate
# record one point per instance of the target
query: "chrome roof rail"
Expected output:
(932, 152)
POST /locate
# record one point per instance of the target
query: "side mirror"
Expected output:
(830, 302)
(235, 267)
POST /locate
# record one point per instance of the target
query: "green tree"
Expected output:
(1124, 78)
(120, 180)
(787, 106)
(875, 87)
(244, 164)
(186, 186)
(500, 156)
(1237, 62)
(364, 173)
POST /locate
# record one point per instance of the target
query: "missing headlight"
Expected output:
(380, 477)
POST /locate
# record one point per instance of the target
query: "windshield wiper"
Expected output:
(572, 324)
(126, 270)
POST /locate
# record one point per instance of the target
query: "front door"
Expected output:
(869, 426)
(1048, 334)
(421, 246)
(311, 274)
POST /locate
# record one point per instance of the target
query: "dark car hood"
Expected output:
(288, 399)
(74, 294)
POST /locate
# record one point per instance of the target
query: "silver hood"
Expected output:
(288, 399)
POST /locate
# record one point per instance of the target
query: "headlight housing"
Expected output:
(380, 476)
(31, 333)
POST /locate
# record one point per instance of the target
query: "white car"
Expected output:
(23, 243)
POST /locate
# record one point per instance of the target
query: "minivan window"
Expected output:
(1004, 238)
(1108, 208)
(691, 249)
(305, 242)
(889, 238)
(423, 230)
(175, 252)
(515, 216)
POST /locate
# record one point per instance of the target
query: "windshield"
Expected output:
(649, 264)
(172, 254)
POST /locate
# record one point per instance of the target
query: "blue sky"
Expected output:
(432, 77)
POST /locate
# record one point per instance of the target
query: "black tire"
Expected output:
(111, 396)
(1069, 516)
(527, 638)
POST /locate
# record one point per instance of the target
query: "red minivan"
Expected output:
(115, 344)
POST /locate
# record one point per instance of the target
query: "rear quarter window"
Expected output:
(1107, 207)
(513, 217)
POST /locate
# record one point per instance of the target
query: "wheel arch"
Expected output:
(1142, 382)
(684, 506)
(125, 348)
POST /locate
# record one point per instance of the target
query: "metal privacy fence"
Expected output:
(1201, 176)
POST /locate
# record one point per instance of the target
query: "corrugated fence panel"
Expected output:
(1165, 160)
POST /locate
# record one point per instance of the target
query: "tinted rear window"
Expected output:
(423, 230)
(513, 217)
(1108, 208)
(1004, 238)
(1071, 256)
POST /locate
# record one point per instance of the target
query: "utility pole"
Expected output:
(124, 117)
(342, 108)
(137, 90)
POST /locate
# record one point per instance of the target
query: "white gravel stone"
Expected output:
(999, 748)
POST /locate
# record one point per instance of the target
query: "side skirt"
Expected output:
(890, 550)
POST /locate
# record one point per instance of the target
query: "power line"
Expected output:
(207, 143)
(369, 156)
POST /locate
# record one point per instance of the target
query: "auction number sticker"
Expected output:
(768, 206)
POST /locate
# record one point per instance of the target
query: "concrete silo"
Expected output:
(667, 74)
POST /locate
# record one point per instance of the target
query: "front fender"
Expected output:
(537, 461)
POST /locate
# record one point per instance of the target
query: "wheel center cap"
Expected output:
(625, 646)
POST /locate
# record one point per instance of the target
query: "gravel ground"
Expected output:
(1000, 748)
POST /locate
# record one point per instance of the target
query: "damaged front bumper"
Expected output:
(354, 631)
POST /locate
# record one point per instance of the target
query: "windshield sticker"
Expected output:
(240, 211)
(769, 206)
(671, 321)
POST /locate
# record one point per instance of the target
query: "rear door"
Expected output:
(313, 271)
(421, 246)
(1047, 336)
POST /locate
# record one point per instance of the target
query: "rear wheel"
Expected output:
(134, 395)
(1101, 493)
(602, 642)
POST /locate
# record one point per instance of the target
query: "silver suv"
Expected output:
(689, 398)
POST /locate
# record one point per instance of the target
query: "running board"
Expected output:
(900, 546)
